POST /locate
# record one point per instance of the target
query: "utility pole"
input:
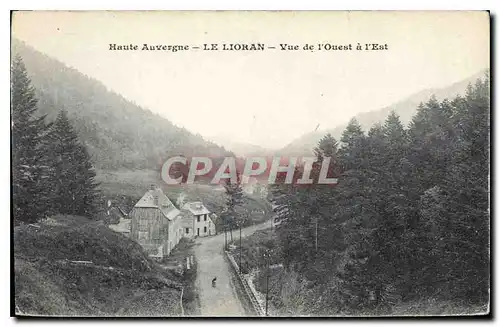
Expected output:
(316, 234)
(225, 238)
(266, 255)
(240, 247)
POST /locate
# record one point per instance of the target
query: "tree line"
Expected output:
(52, 171)
(408, 219)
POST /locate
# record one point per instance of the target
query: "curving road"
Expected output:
(221, 300)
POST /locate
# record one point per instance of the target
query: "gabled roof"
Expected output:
(161, 203)
(172, 213)
(148, 201)
(196, 208)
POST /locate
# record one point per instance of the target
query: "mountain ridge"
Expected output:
(241, 149)
(117, 132)
(405, 108)
(121, 134)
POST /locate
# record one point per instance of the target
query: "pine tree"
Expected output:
(234, 201)
(327, 147)
(350, 152)
(394, 132)
(361, 203)
(72, 172)
(409, 218)
(465, 191)
(28, 154)
(321, 200)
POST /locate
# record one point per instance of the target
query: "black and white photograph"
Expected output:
(250, 164)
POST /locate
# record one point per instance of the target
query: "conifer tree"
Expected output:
(327, 147)
(321, 198)
(350, 151)
(394, 132)
(72, 172)
(29, 172)
(234, 201)
(409, 218)
(360, 210)
(465, 191)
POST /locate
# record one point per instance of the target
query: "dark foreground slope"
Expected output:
(73, 266)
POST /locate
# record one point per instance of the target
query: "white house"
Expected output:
(197, 220)
(253, 186)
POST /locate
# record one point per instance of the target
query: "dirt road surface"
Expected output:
(221, 300)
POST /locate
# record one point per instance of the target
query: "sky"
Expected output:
(266, 98)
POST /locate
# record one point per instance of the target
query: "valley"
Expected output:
(399, 225)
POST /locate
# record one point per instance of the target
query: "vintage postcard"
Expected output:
(250, 164)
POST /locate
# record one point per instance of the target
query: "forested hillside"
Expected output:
(405, 109)
(65, 262)
(116, 132)
(407, 228)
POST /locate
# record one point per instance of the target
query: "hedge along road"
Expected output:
(221, 300)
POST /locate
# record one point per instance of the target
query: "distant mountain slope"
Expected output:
(117, 132)
(406, 108)
(240, 149)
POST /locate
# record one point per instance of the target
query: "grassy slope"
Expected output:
(190, 298)
(49, 282)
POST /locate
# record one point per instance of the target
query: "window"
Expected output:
(187, 230)
(205, 218)
(143, 225)
(205, 229)
(198, 232)
(143, 236)
(155, 234)
(198, 218)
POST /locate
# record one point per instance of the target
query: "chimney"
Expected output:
(153, 187)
